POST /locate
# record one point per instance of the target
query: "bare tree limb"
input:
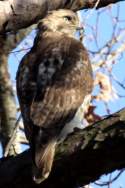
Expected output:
(82, 158)
(13, 39)
(16, 14)
(11, 141)
(7, 99)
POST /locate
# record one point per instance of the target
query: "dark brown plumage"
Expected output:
(52, 81)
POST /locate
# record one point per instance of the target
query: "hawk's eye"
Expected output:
(67, 18)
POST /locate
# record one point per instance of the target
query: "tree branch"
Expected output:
(16, 14)
(13, 39)
(8, 109)
(82, 158)
(7, 98)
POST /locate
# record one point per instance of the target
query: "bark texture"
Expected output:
(82, 158)
(7, 98)
(16, 14)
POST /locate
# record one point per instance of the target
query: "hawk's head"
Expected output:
(63, 21)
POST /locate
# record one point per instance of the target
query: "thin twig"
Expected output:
(91, 11)
(111, 181)
(81, 34)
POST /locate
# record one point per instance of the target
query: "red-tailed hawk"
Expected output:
(52, 81)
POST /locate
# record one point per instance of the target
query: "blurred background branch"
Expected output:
(7, 98)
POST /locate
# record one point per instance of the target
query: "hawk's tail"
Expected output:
(43, 161)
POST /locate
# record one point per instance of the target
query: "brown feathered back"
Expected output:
(52, 81)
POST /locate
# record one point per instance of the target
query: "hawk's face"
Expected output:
(62, 21)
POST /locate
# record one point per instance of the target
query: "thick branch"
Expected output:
(16, 14)
(13, 39)
(7, 98)
(82, 158)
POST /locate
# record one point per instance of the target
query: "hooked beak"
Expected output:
(80, 28)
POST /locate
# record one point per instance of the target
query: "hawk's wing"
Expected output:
(57, 95)
(51, 84)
